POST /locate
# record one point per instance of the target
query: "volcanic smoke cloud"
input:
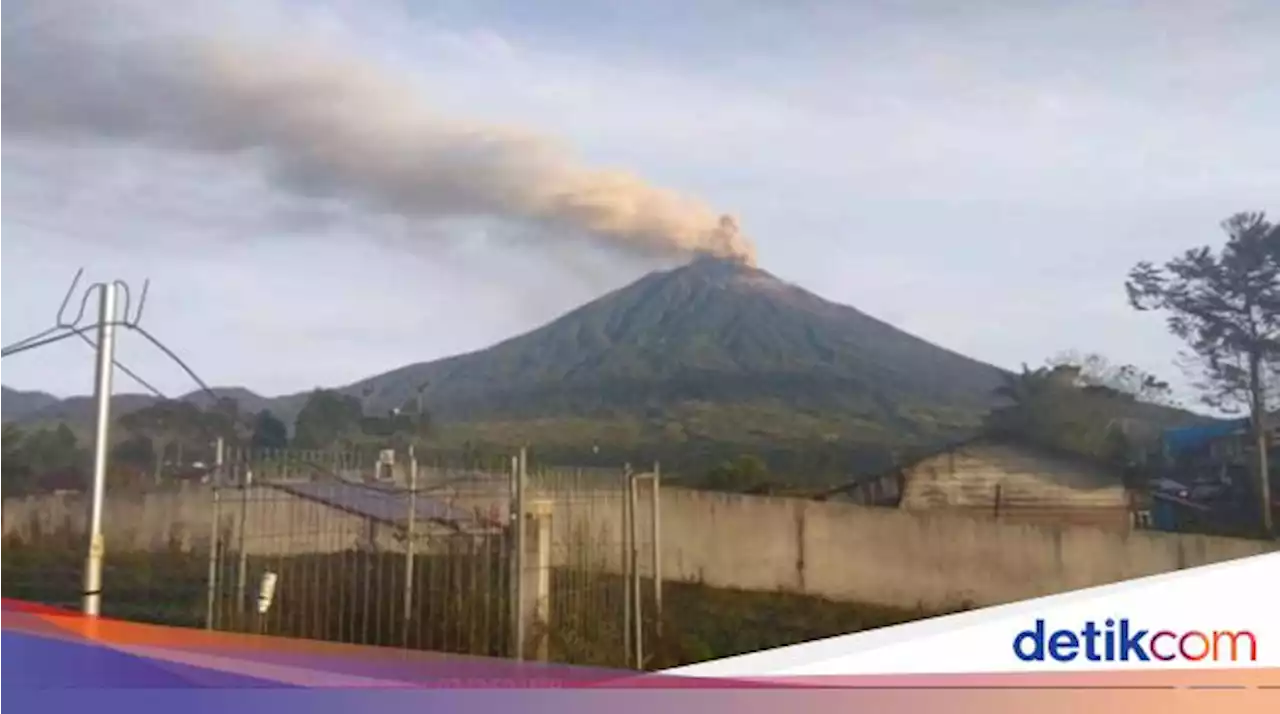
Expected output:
(326, 124)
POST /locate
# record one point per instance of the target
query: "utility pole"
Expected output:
(92, 593)
(109, 316)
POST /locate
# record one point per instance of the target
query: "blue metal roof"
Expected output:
(1177, 441)
(376, 502)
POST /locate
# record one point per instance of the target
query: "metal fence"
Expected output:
(375, 548)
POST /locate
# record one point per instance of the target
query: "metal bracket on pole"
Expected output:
(63, 328)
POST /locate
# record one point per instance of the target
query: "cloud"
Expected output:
(332, 125)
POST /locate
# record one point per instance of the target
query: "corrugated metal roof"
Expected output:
(1177, 441)
(985, 473)
(378, 502)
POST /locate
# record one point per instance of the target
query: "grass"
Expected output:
(709, 623)
(460, 603)
(166, 587)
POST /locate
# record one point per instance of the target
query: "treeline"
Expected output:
(175, 440)
(1076, 405)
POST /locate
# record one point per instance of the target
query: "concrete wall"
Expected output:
(937, 560)
(276, 523)
(1119, 519)
(842, 551)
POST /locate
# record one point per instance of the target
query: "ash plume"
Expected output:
(324, 124)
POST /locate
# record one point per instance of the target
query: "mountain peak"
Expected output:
(712, 331)
(723, 271)
(721, 263)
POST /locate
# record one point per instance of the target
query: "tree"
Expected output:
(745, 473)
(223, 420)
(327, 418)
(1098, 373)
(1056, 408)
(168, 423)
(1038, 409)
(1226, 306)
(412, 421)
(45, 459)
(136, 451)
(269, 432)
(407, 425)
(50, 450)
(15, 472)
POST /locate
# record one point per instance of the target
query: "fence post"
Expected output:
(656, 513)
(410, 536)
(213, 538)
(638, 618)
(242, 569)
(625, 563)
(517, 521)
(513, 590)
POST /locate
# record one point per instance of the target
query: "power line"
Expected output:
(36, 341)
(71, 328)
(173, 356)
(120, 366)
(43, 340)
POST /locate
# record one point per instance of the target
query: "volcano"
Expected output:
(715, 357)
(712, 332)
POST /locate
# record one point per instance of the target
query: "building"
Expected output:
(1208, 479)
(1019, 483)
(879, 489)
(1001, 480)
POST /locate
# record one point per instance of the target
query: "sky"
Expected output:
(981, 174)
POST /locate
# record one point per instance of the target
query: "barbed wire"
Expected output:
(158, 344)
